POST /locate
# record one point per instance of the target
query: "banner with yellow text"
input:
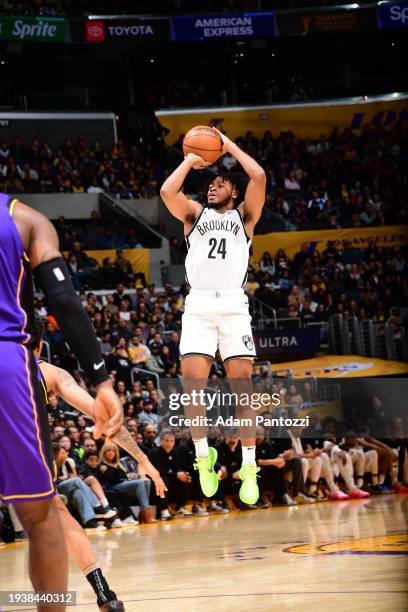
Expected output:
(290, 242)
(139, 258)
(307, 120)
(340, 366)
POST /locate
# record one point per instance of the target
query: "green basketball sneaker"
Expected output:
(249, 491)
(208, 477)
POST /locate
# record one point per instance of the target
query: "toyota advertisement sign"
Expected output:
(135, 28)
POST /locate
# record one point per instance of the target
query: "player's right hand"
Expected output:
(108, 411)
(196, 161)
(146, 467)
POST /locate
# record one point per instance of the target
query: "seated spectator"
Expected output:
(251, 285)
(94, 187)
(267, 264)
(89, 445)
(149, 438)
(138, 352)
(155, 362)
(131, 484)
(308, 395)
(146, 415)
(120, 364)
(77, 492)
(341, 465)
(316, 464)
(76, 451)
(274, 466)
(86, 472)
(57, 432)
(121, 392)
(165, 460)
(124, 266)
(173, 345)
(293, 398)
(230, 461)
(291, 183)
(369, 457)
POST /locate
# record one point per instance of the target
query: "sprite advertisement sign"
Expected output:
(33, 29)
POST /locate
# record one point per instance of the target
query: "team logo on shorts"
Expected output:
(247, 340)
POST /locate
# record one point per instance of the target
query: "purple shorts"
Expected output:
(26, 458)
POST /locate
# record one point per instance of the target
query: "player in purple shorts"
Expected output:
(28, 242)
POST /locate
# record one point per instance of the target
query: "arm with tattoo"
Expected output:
(64, 385)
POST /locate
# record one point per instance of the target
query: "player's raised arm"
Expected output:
(178, 204)
(63, 384)
(255, 192)
(51, 273)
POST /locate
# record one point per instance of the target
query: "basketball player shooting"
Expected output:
(218, 237)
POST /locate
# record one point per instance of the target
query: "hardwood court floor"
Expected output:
(333, 556)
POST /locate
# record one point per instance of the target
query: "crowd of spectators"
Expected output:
(343, 180)
(367, 283)
(329, 459)
(313, 285)
(125, 172)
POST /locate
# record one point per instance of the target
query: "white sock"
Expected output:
(248, 455)
(201, 447)
(104, 502)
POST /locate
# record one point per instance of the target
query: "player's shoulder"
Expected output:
(196, 211)
(198, 207)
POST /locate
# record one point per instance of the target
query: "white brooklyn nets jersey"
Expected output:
(218, 251)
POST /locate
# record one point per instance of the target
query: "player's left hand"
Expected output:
(225, 142)
(146, 467)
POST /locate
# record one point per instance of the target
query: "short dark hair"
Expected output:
(90, 453)
(238, 180)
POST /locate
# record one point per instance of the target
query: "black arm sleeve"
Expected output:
(54, 279)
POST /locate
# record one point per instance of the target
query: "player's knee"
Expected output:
(34, 514)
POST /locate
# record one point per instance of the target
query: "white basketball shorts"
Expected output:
(217, 319)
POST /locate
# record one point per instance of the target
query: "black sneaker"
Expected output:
(93, 525)
(20, 536)
(284, 500)
(261, 504)
(105, 512)
(113, 606)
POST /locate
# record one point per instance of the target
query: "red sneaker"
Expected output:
(358, 493)
(338, 496)
(401, 489)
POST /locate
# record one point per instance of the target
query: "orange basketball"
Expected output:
(203, 141)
